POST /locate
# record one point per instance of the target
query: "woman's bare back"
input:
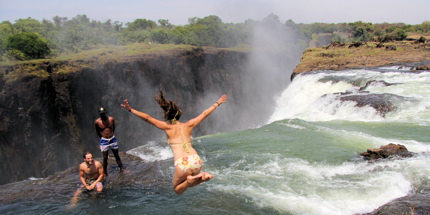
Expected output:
(179, 139)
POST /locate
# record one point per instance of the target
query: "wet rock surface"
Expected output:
(387, 151)
(63, 184)
(380, 102)
(418, 204)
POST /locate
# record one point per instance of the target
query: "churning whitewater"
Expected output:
(304, 97)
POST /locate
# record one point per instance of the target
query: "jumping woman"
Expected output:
(187, 162)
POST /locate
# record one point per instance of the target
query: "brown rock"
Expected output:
(387, 151)
(423, 67)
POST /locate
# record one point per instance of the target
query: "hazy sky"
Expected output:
(236, 11)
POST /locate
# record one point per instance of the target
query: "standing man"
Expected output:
(105, 127)
(93, 173)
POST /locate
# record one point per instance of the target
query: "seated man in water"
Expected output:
(93, 171)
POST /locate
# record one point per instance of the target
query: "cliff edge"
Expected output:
(338, 56)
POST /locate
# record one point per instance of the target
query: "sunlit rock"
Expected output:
(387, 151)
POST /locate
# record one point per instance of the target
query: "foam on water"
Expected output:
(34, 179)
(309, 98)
(296, 186)
(152, 151)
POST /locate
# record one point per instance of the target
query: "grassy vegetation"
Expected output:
(122, 52)
(92, 58)
(24, 70)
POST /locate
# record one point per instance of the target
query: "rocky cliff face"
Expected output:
(48, 120)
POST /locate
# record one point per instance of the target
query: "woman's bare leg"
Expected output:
(181, 181)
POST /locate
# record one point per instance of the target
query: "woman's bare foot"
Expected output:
(197, 179)
(194, 180)
(206, 176)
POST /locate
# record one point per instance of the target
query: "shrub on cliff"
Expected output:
(27, 46)
(397, 34)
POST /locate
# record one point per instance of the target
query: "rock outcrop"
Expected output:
(418, 203)
(67, 181)
(338, 56)
(387, 151)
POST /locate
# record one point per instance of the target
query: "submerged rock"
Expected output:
(382, 103)
(387, 151)
(374, 82)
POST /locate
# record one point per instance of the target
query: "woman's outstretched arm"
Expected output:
(155, 122)
(194, 122)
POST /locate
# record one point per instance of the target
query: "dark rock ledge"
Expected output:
(417, 202)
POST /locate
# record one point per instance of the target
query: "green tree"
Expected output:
(31, 45)
(141, 24)
(208, 31)
(400, 34)
(128, 36)
(424, 27)
(362, 31)
(165, 23)
(178, 35)
(117, 26)
(28, 24)
(192, 20)
(290, 23)
(59, 21)
(6, 29)
(322, 28)
(160, 35)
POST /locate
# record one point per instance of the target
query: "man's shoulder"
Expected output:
(82, 165)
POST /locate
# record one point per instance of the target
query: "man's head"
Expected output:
(102, 112)
(88, 158)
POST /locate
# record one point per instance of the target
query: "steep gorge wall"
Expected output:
(49, 122)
